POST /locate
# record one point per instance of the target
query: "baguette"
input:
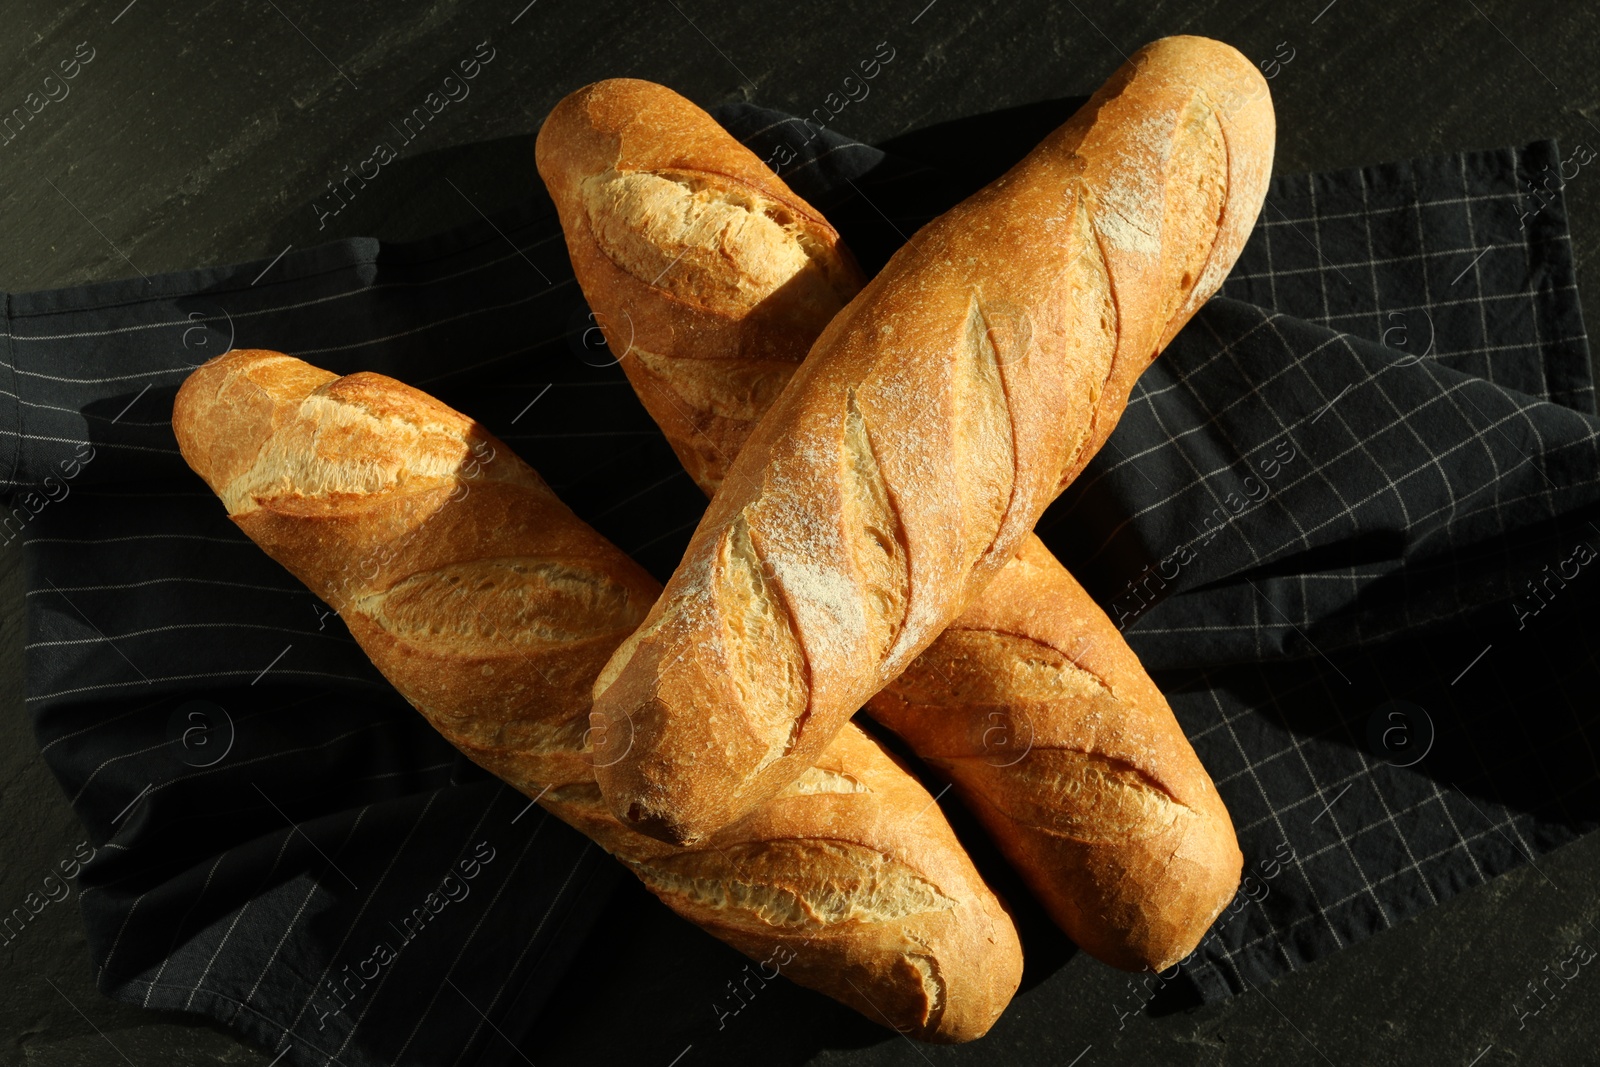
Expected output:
(1040, 714)
(936, 416)
(1031, 702)
(491, 607)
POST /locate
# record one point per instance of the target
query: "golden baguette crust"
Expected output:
(935, 418)
(491, 607)
(709, 263)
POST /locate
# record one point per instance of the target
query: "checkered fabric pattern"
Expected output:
(1347, 522)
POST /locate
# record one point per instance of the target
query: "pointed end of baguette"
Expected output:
(228, 408)
(661, 737)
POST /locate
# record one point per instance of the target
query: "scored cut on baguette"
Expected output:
(721, 275)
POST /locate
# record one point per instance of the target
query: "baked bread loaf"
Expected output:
(718, 276)
(934, 419)
(1055, 737)
(491, 607)
(1031, 702)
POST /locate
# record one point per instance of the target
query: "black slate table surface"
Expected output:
(206, 133)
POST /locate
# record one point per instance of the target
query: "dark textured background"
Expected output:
(200, 134)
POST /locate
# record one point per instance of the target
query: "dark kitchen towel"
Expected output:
(1348, 521)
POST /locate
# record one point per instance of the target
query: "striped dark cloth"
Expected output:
(1347, 522)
